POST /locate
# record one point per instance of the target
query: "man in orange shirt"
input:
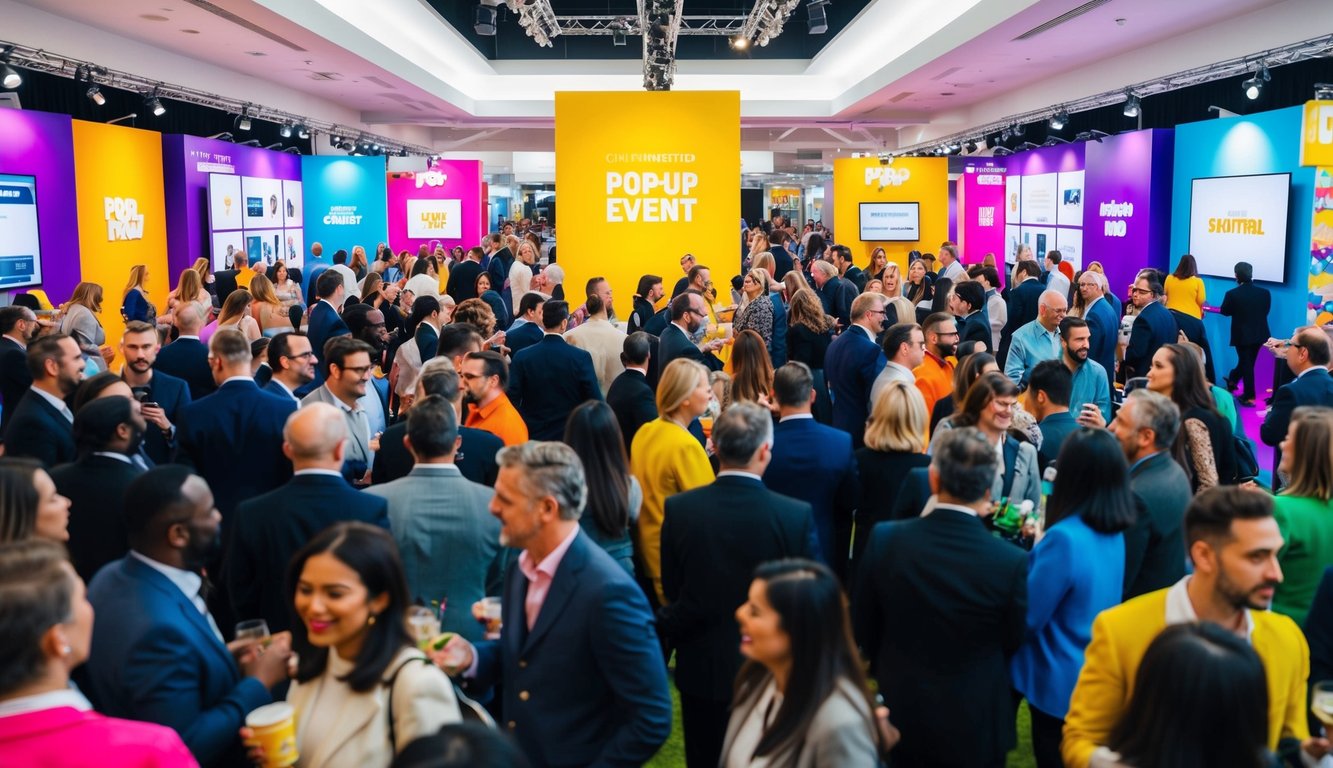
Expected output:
(934, 377)
(485, 377)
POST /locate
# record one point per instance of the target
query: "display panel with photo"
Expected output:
(1071, 199)
(293, 209)
(263, 245)
(224, 201)
(1039, 200)
(225, 244)
(262, 206)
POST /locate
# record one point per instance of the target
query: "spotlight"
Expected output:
(1003, 152)
(9, 77)
(1323, 91)
(1131, 108)
(1052, 141)
(243, 122)
(484, 21)
(971, 147)
(153, 104)
(286, 131)
(1018, 130)
(95, 95)
(1255, 85)
(302, 132)
(1060, 119)
(818, 19)
(1006, 134)
(740, 42)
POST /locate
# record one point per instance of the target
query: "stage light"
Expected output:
(1255, 85)
(243, 122)
(9, 77)
(94, 95)
(484, 22)
(286, 131)
(1060, 119)
(971, 147)
(1132, 107)
(1006, 134)
(740, 42)
(153, 104)
(302, 132)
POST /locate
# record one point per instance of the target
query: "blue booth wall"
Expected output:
(346, 204)
(1268, 142)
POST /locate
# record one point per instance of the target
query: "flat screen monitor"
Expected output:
(20, 241)
(890, 222)
(1241, 218)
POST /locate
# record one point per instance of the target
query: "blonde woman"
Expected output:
(79, 320)
(205, 271)
(359, 264)
(899, 310)
(189, 289)
(520, 272)
(895, 445)
(267, 309)
(792, 282)
(759, 244)
(667, 459)
(136, 305)
(892, 278)
(756, 313)
(235, 316)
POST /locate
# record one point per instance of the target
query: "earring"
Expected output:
(65, 650)
(371, 620)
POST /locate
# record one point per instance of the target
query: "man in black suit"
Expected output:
(1307, 356)
(293, 363)
(224, 280)
(631, 396)
(1153, 327)
(186, 358)
(162, 395)
(325, 323)
(462, 283)
(688, 314)
(108, 432)
(18, 327)
(836, 293)
(842, 259)
(41, 427)
(502, 259)
(939, 606)
(1146, 426)
(1247, 305)
(969, 304)
(271, 528)
(712, 540)
(650, 292)
(1024, 299)
(782, 261)
(552, 377)
(527, 327)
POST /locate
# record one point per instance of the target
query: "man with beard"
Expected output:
(1233, 541)
(161, 658)
(346, 389)
(293, 364)
(485, 377)
(42, 425)
(934, 377)
(688, 314)
(18, 327)
(161, 394)
(645, 302)
(108, 432)
(1090, 398)
(367, 324)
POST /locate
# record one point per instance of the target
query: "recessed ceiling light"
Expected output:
(255, 53)
(190, 31)
(152, 17)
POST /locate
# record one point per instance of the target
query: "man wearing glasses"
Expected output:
(688, 315)
(1038, 340)
(1153, 327)
(852, 363)
(1307, 355)
(293, 364)
(349, 371)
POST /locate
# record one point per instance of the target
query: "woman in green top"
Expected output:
(1303, 509)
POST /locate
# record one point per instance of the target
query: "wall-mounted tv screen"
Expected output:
(1241, 218)
(890, 222)
(20, 242)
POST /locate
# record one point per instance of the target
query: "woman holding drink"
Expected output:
(362, 690)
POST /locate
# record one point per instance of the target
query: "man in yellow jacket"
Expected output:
(1233, 541)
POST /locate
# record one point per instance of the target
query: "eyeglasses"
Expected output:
(358, 370)
(1140, 291)
(946, 334)
(876, 312)
(301, 356)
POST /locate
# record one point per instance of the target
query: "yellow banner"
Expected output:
(1317, 133)
(920, 180)
(644, 178)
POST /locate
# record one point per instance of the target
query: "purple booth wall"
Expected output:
(41, 144)
(1127, 204)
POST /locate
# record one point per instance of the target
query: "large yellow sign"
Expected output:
(921, 180)
(642, 178)
(1317, 133)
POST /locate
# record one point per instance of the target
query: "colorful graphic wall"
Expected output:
(981, 209)
(40, 145)
(1127, 204)
(1044, 202)
(1321, 250)
(643, 178)
(345, 204)
(445, 204)
(921, 180)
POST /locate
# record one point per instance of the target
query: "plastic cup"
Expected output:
(490, 611)
(274, 727)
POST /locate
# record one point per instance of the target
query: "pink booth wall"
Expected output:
(445, 203)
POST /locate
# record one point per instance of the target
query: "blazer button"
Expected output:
(512, 725)
(523, 696)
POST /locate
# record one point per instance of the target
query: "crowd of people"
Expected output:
(453, 512)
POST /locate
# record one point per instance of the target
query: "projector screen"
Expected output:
(1240, 218)
(890, 222)
(20, 244)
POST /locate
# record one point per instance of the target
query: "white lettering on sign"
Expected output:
(886, 176)
(986, 216)
(990, 180)
(123, 220)
(431, 179)
(650, 197)
(342, 216)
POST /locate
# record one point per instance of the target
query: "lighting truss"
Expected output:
(537, 18)
(39, 60)
(660, 22)
(579, 26)
(767, 19)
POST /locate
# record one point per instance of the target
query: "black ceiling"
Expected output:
(510, 42)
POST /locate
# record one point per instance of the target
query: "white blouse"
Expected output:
(520, 281)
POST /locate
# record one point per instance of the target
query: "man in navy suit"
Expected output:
(272, 527)
(969, 304)
(853, 361)
(708, 562)
(814, 463)
(317, 268)
(551, 378)
(163, 395)
(1247, 305)
(293, 364)
(186, 358)
(233, 437)
(782, 262)
(1307, 356)
(835, 293)
(1153, 327)
(161, 658)
(631, 396)
(18, 327)
(42, 425)
(688, 314)
(325, 322)
(527, 327)
(1023, 302)
(584, 682)
(1103, 322)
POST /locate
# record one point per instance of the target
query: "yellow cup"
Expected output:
(275, 731)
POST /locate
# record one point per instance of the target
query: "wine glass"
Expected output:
(1322, 703)
(254, 630)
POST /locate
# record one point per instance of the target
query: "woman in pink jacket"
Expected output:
(46, 625)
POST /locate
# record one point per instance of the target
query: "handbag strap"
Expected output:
(393, 734)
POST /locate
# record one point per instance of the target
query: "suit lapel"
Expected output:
(187, 608)
(562, 589)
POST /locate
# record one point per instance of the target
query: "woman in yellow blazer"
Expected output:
(1226, 525)
(1184, 288)
(667, 459)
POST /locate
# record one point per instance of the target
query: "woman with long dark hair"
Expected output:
(30, 506)
(363, 690)
(1204, 446)
(919, 286)
(614, 495)
(752, 370)
(1200, 700)
(1075, 571)
(801, 698)
(989, 406)
(809, 334)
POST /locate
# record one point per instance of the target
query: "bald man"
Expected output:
(1038, 340)
(272, 527)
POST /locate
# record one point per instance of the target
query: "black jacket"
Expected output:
(1247, 305)
(475, 458)
(95, 487)
(37, 430)
(632, 401)
(14, 378)
(1155, 546)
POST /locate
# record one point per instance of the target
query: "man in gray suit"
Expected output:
(442, 521)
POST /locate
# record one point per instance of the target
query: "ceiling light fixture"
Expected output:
(484, 21)
(243, 122)
(285, 131)
(1255, 85)
(9, 77)
(1132, 107)
(740, 42)
(1060, 119)
(302, 131)
(153, 104)
(94, 95)
(817, 20)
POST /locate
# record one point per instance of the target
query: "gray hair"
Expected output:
(965, 462)
(550, 469)
(1155, 411)
(740, 431)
